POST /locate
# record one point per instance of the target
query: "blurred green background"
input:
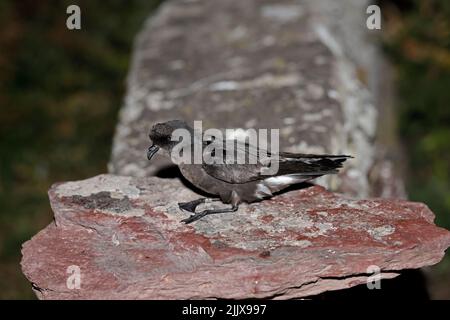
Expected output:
(60, 92)
(416, 37)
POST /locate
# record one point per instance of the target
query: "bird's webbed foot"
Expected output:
(199, 215)
(191, 205)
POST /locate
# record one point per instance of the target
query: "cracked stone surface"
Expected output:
(125, 236)
(305, 67)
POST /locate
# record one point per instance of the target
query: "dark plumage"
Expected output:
(235, 183)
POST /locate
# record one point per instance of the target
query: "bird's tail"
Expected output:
(296, 168)
(310, 164)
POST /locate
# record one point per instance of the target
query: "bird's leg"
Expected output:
(192, 205)
(203, 213)
(235, 200)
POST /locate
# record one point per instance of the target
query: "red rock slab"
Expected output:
(125, 238)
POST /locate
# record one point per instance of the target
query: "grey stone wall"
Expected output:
(307, 67)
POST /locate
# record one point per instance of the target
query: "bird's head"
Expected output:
(161, 135)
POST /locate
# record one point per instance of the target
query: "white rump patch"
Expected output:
(262, 191)
(281, 180)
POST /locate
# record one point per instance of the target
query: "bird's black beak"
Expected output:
(151, 151)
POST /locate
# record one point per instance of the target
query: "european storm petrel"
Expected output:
(233, 182)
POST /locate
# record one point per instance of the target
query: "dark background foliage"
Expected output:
(60, 92)
(416, 38)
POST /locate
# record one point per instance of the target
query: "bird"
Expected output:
(235, 183)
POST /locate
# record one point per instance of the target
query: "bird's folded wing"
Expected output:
(245, 163)
(239, 164)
